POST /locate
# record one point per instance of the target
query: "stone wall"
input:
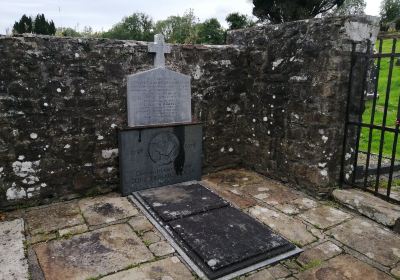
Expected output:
(296, 96)
(272, 100)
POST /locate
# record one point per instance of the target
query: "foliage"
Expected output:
(39, 26)
(87, 32)
(186, 29)
(351, 7)
(138, 26)
(24, 25)
(42, 26)
(67, 32)
(179, 29)
(210, 32)
(238, 21)
(278, 11)
(390, 11)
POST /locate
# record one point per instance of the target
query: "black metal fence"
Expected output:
(371, 156)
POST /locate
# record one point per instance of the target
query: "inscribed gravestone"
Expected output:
(162, 146)
(159, 96)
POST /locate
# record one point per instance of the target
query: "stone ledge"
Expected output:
(13, 263)
(371, 206)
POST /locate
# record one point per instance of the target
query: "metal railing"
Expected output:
(372, 128)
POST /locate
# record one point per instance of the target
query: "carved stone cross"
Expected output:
(159, 48)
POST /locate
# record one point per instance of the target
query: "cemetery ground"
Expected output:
(107, 237)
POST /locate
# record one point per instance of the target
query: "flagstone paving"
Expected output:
(109, 237)
(54, 217)
(325, 217)
(289, 227)
(343, 267)
(102, 210)
(166, 269)
(370, 239)
(297, 206)
(13, 265)
(91, 254)
(321, 252)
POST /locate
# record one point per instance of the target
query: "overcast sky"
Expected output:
(102, 14)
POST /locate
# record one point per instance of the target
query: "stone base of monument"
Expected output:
(160, 155)
(215, 239)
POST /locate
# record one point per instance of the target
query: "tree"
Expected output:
(24, 25)
(278, 11)
(238, 21)
(210, 32)
(351, 7)
(52, 28)
(42, 26)
(179, 29)
(390, 11)
(38, 26)
(138, 26)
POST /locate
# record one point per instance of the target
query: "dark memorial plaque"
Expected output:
(159, 156)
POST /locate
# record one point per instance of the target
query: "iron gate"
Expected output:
(371, 156)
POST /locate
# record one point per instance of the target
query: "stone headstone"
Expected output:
(162, 145)
(160, 95)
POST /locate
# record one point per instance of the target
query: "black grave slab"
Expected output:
(156, 156)
(226, 239)
(218, 239)
(178, 201)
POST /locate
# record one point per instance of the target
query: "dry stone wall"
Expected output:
(272, 100)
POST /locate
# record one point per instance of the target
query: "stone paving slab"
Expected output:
(297, 206)
(41, 237)
(291, 228)
(162, 248)
(343, 267)
(54, 217)
(370, 239)
(260, 275)
(13, 264)
(150, 237)
(259, 187)
(140, 224)
(102, 210)
(73, 230)
(279, 271)
(321, 252)
(232, 194)
(276, 272)
(369, 205)
(325, 217)
(235, 178)
(272, 192)
(166, 269)
(91, 254)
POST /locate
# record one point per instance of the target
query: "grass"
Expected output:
(311, 265)
(380, 105)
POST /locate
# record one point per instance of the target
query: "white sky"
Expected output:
(102, 14)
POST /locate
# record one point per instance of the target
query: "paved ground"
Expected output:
(108, 238)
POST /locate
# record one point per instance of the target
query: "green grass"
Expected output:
(380, 104)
